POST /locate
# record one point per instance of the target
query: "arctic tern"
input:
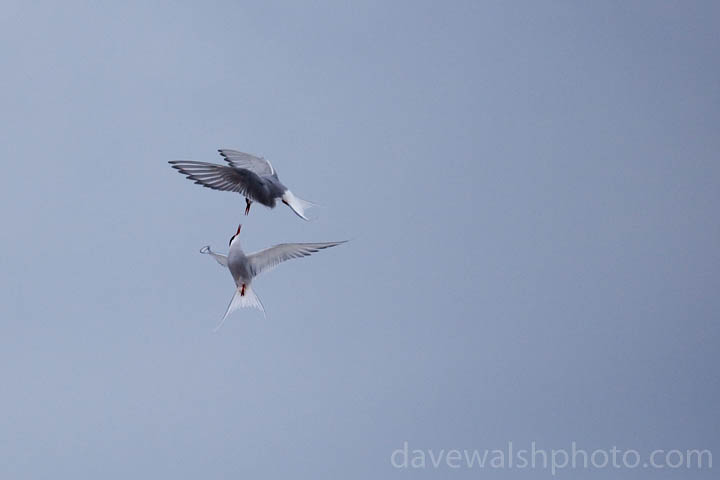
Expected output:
(251, 176)
(244, 268)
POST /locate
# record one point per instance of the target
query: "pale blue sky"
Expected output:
(532, 189)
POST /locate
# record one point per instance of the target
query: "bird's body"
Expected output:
(251, 176)
(239, 267)
(245, 267)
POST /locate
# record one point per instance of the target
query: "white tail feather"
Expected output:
(242, 301)
(298, 205)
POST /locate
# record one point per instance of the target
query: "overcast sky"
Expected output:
(532, 193)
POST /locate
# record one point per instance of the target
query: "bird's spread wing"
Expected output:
(221, 177)
(266, 259)
(257, 165)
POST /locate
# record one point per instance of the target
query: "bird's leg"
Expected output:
(242, 290)
(248, 202)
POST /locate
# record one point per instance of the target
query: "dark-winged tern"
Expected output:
(251, 176)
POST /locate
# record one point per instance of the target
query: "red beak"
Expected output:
(238, 230)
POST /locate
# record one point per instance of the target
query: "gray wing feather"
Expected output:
(221, 259)
(257, 165)
(221, 177)
(269, 258)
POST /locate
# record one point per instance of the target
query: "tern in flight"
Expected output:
(245, 267)
(251, 176)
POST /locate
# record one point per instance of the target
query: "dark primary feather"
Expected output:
(230, 179)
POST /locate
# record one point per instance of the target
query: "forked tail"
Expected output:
(244, 297)
(298, 205)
